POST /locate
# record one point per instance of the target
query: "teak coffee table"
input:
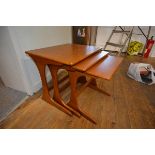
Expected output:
(79, 61)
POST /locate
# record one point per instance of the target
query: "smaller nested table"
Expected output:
(79, 61)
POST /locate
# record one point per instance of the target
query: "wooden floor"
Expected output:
(132, 105)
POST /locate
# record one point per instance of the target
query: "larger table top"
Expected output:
(68, 54)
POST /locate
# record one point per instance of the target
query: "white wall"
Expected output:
(103, 34)
(9, 65)
(32, 37)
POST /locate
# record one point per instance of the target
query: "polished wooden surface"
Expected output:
(105, 69)
(131, 105)
(90, 61)
(68, 54)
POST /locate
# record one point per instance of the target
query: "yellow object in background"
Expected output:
(134, 48)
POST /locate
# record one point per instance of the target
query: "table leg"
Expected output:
(93, 85)
(73, 76)
(45, 91)
(56, 96)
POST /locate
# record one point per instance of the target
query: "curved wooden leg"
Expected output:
(93, 82)
(73, 76)
(56, 96)
(93, 85)
(45, 91)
